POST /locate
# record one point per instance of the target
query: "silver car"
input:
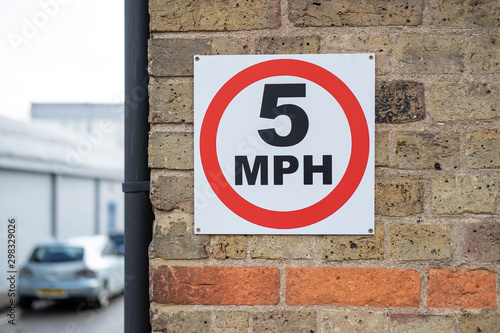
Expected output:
(86, 268)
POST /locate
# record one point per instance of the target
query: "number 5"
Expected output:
(270, 110)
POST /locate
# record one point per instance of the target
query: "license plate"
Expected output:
(56, 293)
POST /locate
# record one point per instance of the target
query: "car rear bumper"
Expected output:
(82, 288)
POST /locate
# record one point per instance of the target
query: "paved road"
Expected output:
(48, 317)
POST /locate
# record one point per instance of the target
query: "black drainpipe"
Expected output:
(138, 211)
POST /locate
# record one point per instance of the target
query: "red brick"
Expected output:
(215, 285)
(461, 288)
(345, 286)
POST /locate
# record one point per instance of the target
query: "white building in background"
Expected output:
(58, 184)
(83, 118)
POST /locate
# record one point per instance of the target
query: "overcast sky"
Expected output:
(60, 51)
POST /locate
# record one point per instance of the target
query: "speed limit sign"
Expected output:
(284, 144)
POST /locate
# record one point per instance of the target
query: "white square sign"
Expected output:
(284, 144)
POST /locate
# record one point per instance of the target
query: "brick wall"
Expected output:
(434, 261)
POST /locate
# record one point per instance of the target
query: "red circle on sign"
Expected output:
(360, 145)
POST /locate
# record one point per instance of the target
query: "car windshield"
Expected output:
(57, 254)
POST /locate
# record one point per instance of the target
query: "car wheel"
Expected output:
(25, 303)
(102, 300)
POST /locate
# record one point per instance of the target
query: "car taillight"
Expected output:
(88, 273)
(25, 273)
